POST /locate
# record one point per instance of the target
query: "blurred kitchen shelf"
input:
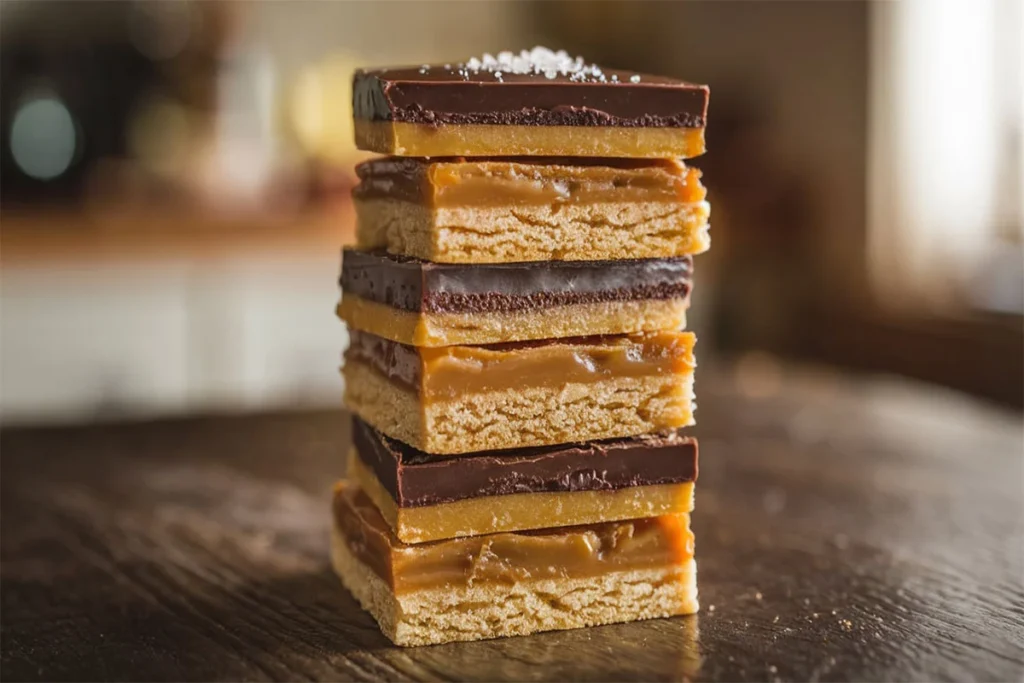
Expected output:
(28, 238)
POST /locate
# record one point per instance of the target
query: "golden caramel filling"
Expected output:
(452, 371)
(494, 182)
(508, 558)
(455, 370)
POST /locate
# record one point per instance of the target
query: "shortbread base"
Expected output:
(521, 417)
(546, 232)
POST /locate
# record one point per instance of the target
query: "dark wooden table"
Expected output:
(845, 530)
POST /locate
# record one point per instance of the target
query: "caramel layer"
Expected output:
(483, 140)
(562, 553)
(494, 610)
(452, 371)
(499, 182)
(577, 320)
(520, 511)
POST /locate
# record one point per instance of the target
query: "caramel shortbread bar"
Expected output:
(535, 103)
(432, 304)
(459, 399)
(426, 497)
(511, 584)
(538, 209)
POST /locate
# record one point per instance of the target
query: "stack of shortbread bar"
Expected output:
(517, 366)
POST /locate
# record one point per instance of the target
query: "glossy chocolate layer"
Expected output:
(414, 478)
(453, 95)
(410, 284)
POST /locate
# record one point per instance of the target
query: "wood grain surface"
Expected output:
(846, 530)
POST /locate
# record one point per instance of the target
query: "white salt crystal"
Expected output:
(540, 60)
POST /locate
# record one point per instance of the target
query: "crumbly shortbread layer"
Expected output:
(519, 511)
(448, 329)
(442, 615)
(526, 416)
(513, 234)
(481, 140)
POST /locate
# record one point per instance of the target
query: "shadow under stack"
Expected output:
(518, 368)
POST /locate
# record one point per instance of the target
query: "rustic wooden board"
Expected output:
(845, 530)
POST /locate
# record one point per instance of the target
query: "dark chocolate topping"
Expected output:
(413, 285)
(414, 478)
(459, 94)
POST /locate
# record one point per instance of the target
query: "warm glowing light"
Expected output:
(159, 135)
(321, 110)
(758, 375)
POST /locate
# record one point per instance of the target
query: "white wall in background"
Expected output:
(174, 337)
(947, 153)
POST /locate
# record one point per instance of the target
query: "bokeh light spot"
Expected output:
(43, 138)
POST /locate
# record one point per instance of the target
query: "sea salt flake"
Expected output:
(540, 61)
(635, 78)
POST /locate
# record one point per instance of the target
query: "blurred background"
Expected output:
(175, 177)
